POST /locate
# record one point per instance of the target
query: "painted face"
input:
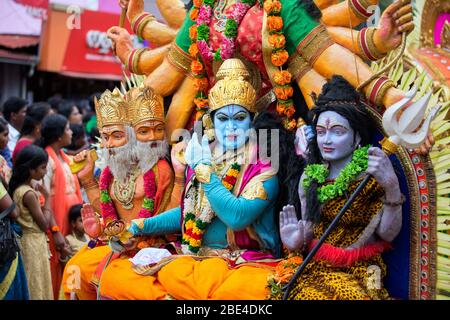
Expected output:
(231, 126)
(113, 136)
(335, 137)
(150, 130)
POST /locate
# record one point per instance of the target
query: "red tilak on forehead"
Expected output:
(327, 122)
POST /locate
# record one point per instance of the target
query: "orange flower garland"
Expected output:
(198, 69)
(277, 41)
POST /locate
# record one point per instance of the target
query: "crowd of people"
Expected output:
(44, 198)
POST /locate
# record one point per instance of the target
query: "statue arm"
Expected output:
(342, 14)
(165, 223)
(93, 194)
(238, 212)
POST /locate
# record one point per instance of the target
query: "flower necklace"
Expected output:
(107, 207)
(351, 171)
(199, 215)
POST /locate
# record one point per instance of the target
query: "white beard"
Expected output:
(148, 156)
(120, 160)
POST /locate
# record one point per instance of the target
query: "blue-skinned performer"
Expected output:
(228, 212)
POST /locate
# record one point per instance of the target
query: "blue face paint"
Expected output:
(231, 126)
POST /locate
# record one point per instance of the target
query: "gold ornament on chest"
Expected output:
(124, 191)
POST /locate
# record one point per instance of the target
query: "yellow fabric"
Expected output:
(185, 278)
(25, 219)
(35, 250)
(84, 263)
(2, 191)
(9, 278)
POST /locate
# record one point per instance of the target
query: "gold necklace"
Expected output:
(124, 191)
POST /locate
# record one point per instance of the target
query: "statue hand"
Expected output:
(426, 147)
(197, 153)
(294, 233)
(87, 173)
(177, 156)
(91, 221)
(303, 136)
(396, 19)
(380, 167)
(134, 7)
(121, 42)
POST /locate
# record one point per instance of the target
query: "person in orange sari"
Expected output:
(138, 181)
(63, 185)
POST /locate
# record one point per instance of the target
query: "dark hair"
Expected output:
(27, 159)
(35, 114)
(55, 101)
(75, 212)
(77, 133)
(66, 108)
(52, 129)
(3, 125)
(338, 96)
(13, 105)
(290, 165)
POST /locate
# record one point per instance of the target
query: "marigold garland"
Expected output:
(195, 227)
(107, 207)
(351, 171)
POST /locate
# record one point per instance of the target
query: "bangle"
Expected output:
(133, 60)
(179, 180)
(138, 24)
(378, 88)
(394, 203)
(55, 229)
(367, 45)
(89, 184)
(359, 8)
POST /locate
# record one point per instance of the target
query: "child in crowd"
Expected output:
(78, 238)
(31, 164)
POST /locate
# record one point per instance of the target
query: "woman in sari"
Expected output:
(13, 280)
(62, 184)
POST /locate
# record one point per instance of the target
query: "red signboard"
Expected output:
(89, 49)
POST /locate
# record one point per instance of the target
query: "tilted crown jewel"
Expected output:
(110, 109)
(144, 104)
(232, 87)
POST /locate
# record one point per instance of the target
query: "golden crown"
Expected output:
(111, 109)
(232, 87)
(144, 104)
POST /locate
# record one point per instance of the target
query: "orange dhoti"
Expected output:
(79, 272)
(185, 279)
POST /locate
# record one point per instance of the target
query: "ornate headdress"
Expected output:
(232, 87)
(144, 104)
(110, 109)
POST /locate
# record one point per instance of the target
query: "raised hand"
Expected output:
(197, 153)
(121, 42)
(380, 167)
(178, 162)
(294, 233)
(87, 172)
(396, 19)
(303, 135)
(91, 221)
